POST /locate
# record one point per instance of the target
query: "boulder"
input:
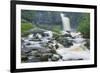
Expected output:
(55, 57)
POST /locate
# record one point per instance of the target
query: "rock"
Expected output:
(79, 40)
(33, 53)
(33, 59)
(38, 54)
(38, 36)
(65, 41)
(76, 34)
(53, 51)
(47, 48)
(44, 57)
(48, 34)
(24, 58)
(87, 44)
(44, 50)
(30, 36)
(34, 47)
(55, 57)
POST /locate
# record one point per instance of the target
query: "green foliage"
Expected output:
(56, 36)
(84, 25)
(56, 28)
(57, 31)
(44, 26)
(26, 26)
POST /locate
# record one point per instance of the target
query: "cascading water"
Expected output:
(65, 22)
(43, 46)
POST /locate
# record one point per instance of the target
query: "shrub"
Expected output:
(84, 25)
(26, 26)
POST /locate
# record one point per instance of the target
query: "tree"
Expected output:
(84, 25)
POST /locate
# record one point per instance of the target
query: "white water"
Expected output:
(74, 52)
(77, 50)
(65, 22)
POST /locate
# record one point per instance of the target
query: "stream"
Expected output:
(38, 48)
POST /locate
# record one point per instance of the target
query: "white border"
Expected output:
(20, 65)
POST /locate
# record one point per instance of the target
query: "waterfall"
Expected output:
(65, 22)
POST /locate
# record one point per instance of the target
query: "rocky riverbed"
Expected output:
(40, 46)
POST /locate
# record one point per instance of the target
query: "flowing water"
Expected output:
(46, 48)
(65, 22)
(40, 50)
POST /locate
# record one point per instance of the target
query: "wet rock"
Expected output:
(44, 57)
(55, 57)
(44, 50)
(34, 52)
(33, 59)
(66, 42)
(49, 48)
(87, 44)
(24, 58)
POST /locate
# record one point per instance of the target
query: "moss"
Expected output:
(24, 58)
(26, 27)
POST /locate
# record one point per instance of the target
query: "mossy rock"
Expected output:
(24, 58)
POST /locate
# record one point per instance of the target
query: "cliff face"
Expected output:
(43, 17)
(51, 18)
